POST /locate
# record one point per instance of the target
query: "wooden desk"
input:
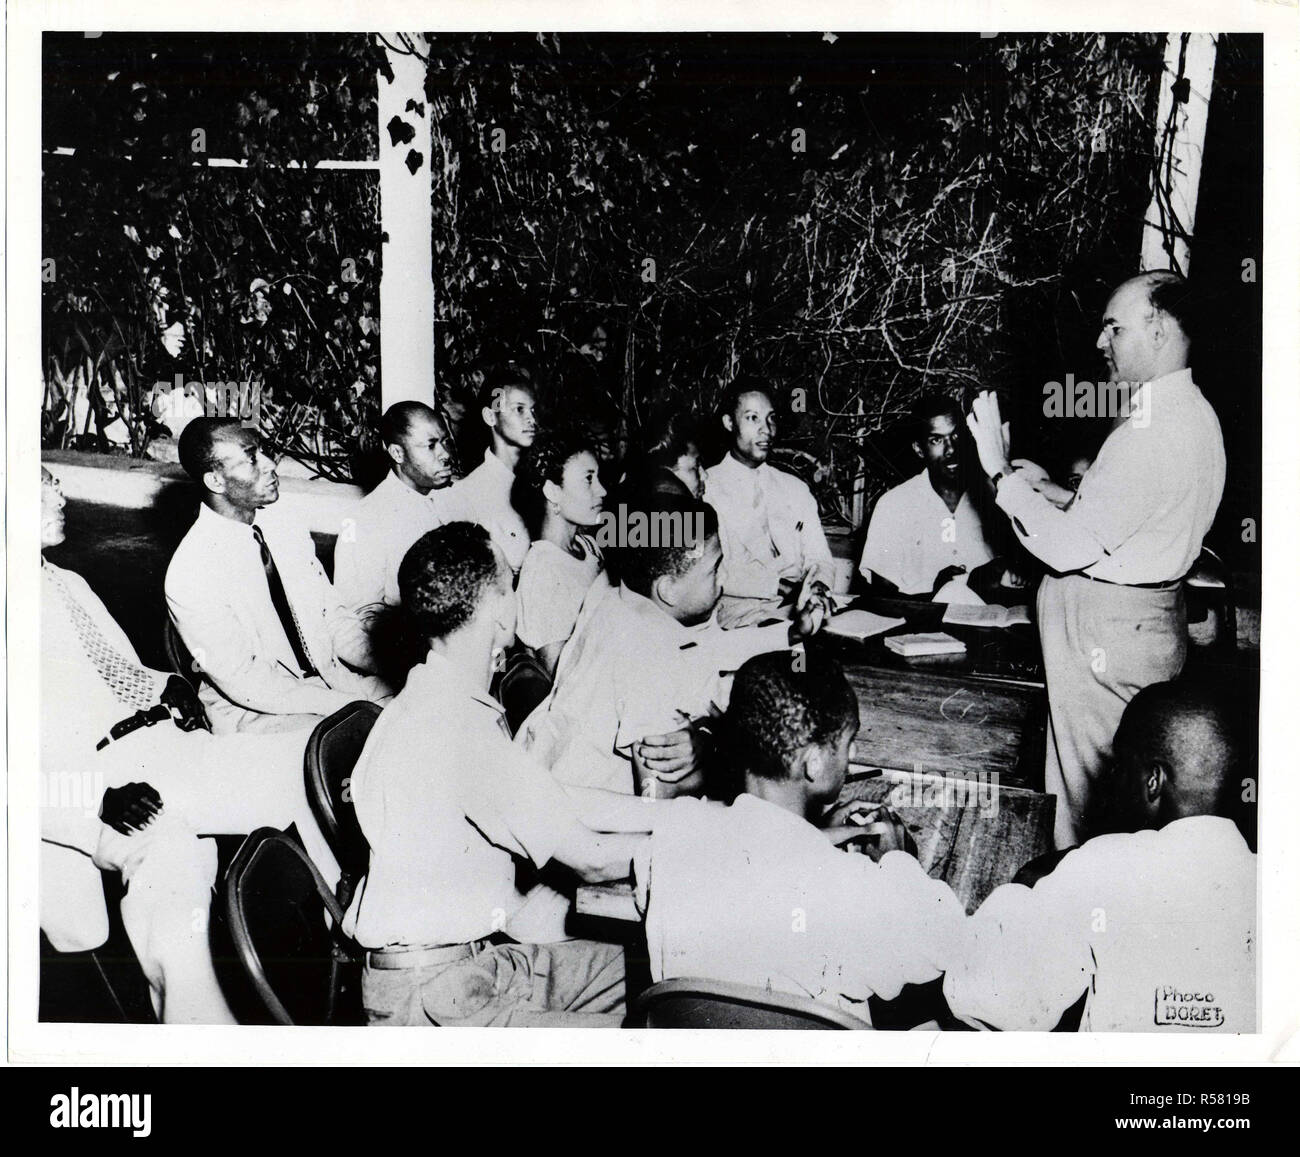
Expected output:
(973, 836)
(982, 712)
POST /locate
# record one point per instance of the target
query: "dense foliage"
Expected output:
(163, 266)
(854, 219)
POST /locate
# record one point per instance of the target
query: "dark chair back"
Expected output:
(1210, 601)
(178, 654)
(332, 752)
(523, 685)
(277, 905)
(692, 1003)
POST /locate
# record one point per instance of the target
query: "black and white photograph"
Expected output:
(661, 528)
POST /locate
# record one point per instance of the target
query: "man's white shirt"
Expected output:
(1145, 505)
(769, 526)
(445, 801)
(1158, 927)
(219, 599)
(913, 535)
(375, 537)
(628, 671)
(483, 496)
(756, 895)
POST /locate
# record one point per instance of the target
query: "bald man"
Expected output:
(1153, 925)
(1112, 616)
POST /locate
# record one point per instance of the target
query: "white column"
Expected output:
(406, 344)
(1166, 234)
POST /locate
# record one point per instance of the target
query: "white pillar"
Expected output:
(406, 346)
(1171, 216)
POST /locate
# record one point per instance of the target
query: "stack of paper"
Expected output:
(934, 643)
(962, 615)
(861, 624)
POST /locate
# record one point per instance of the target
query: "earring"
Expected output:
(498, 659)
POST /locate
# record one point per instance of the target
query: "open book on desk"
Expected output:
(988, 615)
(860, 624)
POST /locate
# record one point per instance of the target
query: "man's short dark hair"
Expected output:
(500, 377)
(738, 389)
(197, 444)
(544, 462)
(397, 419)
(1171, 294)
(670, 434)
(444, 577)
(639, 567)
(779, 709)
(934, 405)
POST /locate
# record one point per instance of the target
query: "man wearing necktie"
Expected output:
(276, 648)
(770, 527)
(129, 774)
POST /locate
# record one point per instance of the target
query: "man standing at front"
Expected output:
(1112, 618)
(251, 600)
(771, 530)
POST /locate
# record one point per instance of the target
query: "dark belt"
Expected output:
(393, 958)
(1164, 586)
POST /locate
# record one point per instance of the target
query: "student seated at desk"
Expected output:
(927, 531)
(648, 662)
(756, 893)
(1154, 924)
(448, 805)
(557, 490)
(772, 536)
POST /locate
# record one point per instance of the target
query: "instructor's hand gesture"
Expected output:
(991, 434)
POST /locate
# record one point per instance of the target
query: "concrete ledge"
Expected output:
(138, 484)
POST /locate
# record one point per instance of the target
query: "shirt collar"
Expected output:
(646, 608)
(395, 490)
(1171, 385)
(924, 479)
(438, 678)
(732, 469)
(494, 465)
(1181, 377)
(770, 815)
(218, 524)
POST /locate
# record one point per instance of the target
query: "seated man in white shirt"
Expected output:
(647, 665)
(448, 805)
(376, 535)
(123, 794)
(250, 599)
(772, 537)
(507, 406)
(757, 893)
(1154, 926)
(926, 532)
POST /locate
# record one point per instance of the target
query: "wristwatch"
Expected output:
(1001, 474)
